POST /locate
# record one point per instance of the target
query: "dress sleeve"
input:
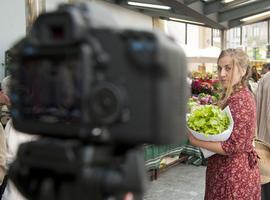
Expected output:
(244, 116)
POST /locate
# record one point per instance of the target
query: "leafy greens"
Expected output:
(208, 120)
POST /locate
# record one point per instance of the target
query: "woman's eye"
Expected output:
(228, 69)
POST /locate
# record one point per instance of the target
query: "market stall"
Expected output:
(157, 158)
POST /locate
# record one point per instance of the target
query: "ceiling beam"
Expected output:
(218, 6)
(161, 13)
(236, 22)
(212, 7)
(181, 8)
(188, 2)
(235, 4)
(243, 11)
(199, 7)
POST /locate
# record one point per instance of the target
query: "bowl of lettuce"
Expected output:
(210, 123)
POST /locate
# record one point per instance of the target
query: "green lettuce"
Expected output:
(208, 120)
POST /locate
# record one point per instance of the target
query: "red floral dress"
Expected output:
(236, 175)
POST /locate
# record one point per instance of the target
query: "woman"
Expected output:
(254, 74)
(253, 79)
(232, 173)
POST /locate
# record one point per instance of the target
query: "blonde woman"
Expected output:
(232, 173)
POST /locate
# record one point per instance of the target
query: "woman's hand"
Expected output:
(192, 139)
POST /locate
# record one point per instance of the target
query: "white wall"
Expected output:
(12, 21)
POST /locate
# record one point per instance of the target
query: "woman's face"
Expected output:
(227, 72)
(254, 70)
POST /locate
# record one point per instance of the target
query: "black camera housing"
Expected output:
(98, 84)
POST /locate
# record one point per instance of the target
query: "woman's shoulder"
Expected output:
(243, 96)
(243, 92)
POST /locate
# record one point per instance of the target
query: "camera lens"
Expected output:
(107, 102)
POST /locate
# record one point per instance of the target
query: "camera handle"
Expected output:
(68, 169)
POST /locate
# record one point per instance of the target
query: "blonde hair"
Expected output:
(241, 60)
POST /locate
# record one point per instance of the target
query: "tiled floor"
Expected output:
(181, 182)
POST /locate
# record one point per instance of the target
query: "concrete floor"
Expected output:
(181, 182)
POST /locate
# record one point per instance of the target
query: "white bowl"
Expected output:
(219, 137)
(215, 138)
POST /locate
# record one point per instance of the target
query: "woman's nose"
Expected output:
(222, 73)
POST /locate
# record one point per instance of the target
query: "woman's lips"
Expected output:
(223, 81)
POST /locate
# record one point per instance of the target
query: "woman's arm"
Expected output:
(211, 146)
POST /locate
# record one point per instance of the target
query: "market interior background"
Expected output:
(202, 28)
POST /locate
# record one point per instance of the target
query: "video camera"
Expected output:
(93, 94)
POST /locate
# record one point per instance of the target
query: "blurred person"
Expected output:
(265, 68)
(263, 107)
(254, 74)
(253, 80)
(4, 101)
(233, 173)
(12, 139)
(4, 94)
(5, 85)
(263, 116)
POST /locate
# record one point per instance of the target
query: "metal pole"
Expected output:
(186, 36)
(32, 9)
(212, 37)
(241, 35)
(268, 40)
(223, 39)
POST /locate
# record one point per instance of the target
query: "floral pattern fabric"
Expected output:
(236, 175)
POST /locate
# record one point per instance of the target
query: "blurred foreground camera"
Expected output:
(93, 93)
(75, 81)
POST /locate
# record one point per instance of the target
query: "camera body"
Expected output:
(94, 94)
(98, 84)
